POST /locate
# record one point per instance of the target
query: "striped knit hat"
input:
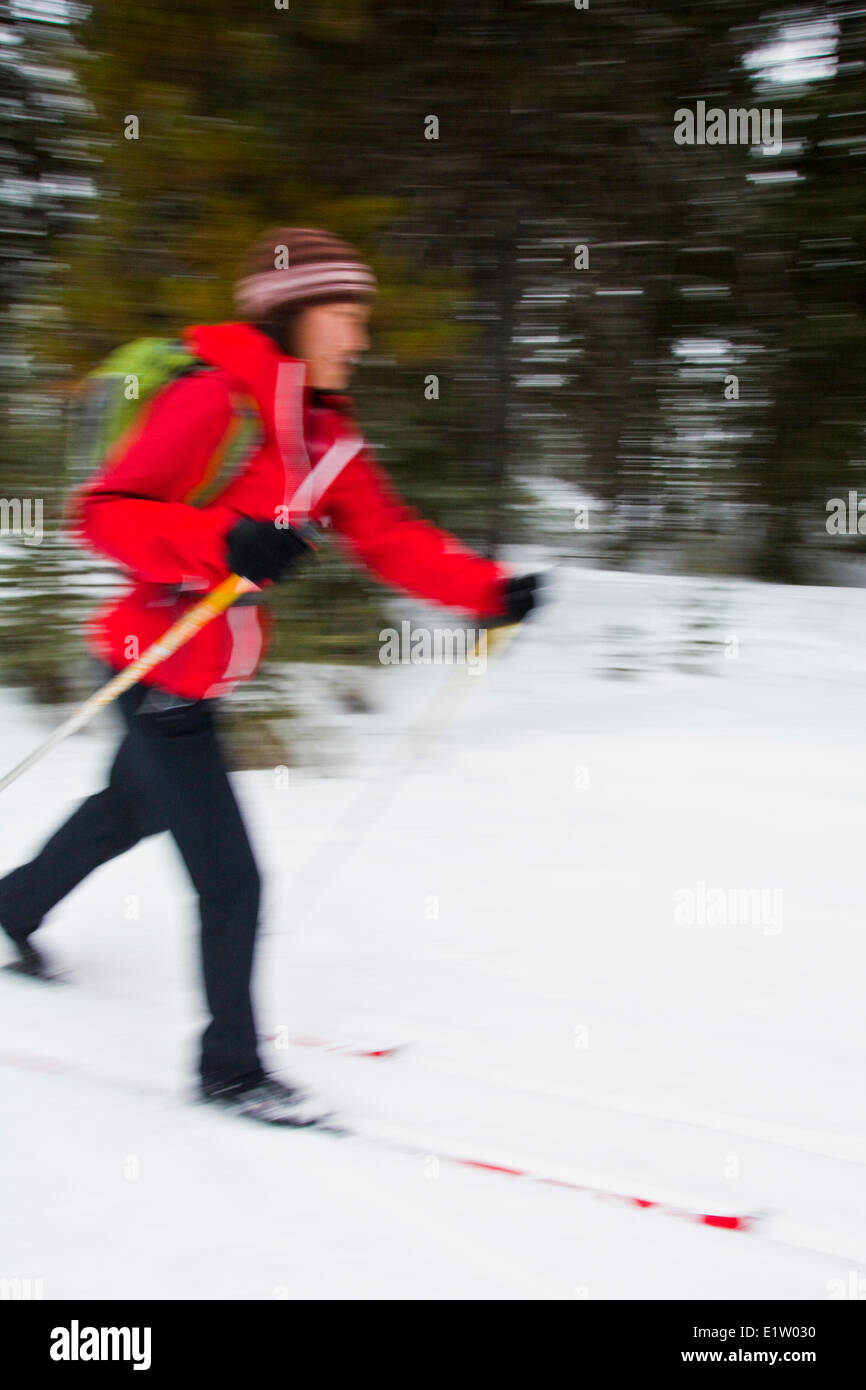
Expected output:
(294, 267)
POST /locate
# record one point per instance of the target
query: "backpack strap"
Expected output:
(244, 433)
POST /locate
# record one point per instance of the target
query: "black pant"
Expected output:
(168, 774)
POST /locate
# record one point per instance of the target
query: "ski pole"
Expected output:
(351, 829)
(180, 632)
(443, 707)
(308, 493)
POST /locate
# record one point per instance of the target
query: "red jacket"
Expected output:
(134, 511)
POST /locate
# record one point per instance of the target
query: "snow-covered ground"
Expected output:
(514, 907)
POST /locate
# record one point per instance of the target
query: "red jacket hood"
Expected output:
(276, 383)
(247, 355)
(254, 359)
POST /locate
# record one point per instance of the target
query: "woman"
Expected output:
(155, 509)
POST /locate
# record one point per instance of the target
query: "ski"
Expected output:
(433, 1147)
(768, 1225)
(827, 1144)
(336, 1047)
(764, 1224)
(32, 965)
(559, 1175)
(27, 1059)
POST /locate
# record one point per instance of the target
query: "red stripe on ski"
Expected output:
(492, 1167)
(343, 1049)
(705, 1218)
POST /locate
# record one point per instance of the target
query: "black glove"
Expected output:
(522, 594)
(261, 550)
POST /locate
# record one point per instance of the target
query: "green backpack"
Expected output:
(110, 402)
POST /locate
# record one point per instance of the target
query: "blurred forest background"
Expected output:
(599, 383)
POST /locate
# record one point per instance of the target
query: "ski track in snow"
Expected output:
(509, 912)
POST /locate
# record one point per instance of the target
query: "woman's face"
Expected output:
(329, 338)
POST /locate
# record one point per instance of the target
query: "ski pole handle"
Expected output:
(210, 607)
